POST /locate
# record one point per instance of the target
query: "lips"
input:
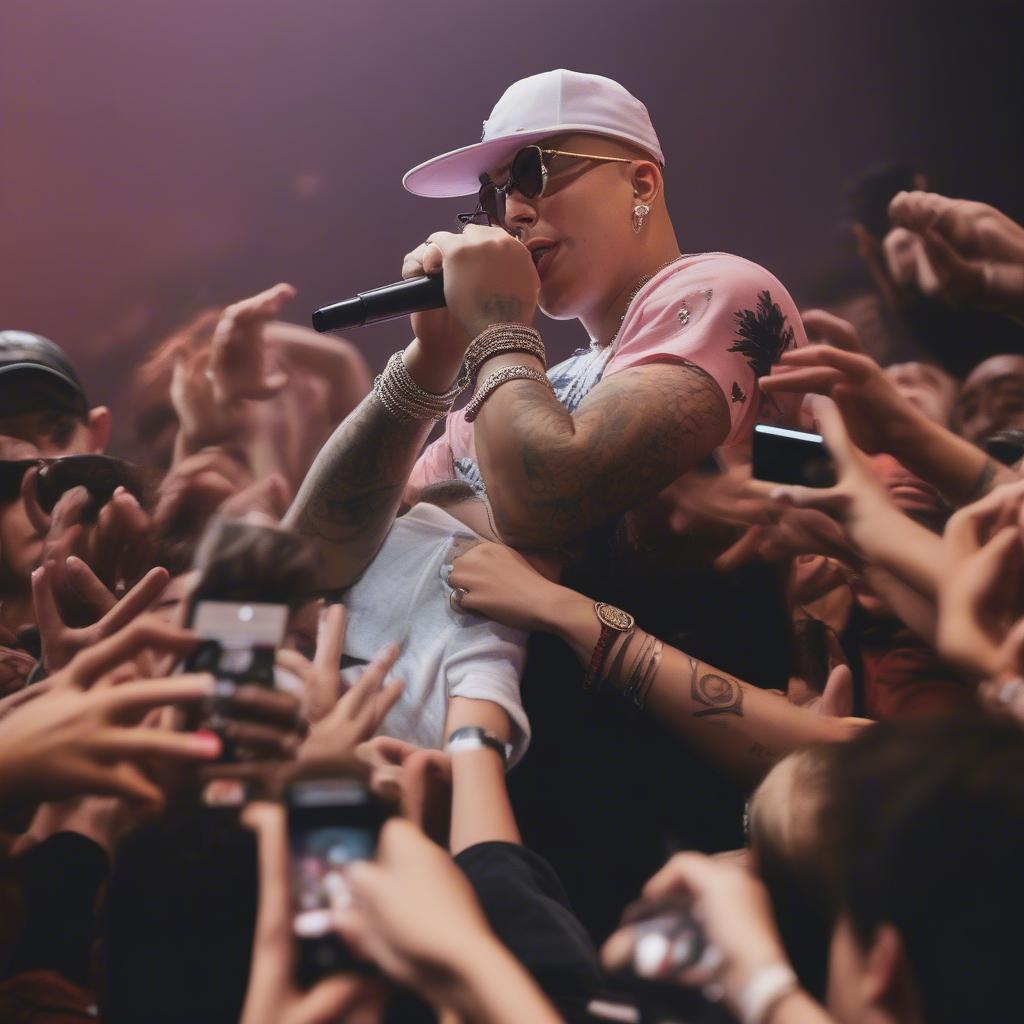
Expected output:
(542, 256)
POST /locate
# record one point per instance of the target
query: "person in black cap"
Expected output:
(42, 401)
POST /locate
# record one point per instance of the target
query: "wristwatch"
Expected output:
(472, 737)
(614, 622)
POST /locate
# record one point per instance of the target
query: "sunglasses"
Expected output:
(528, 175)
(100, 475)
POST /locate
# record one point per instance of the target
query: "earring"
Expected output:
(640, 212)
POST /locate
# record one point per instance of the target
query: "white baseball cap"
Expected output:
(530, 110)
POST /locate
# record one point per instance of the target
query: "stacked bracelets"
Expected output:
(406, 401)
(613, 651)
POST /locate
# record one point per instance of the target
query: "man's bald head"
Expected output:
(992, 398)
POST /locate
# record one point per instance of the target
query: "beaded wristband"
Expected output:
(405, 400)
(501, 339)
(494, 381)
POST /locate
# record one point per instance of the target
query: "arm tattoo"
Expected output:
(986, 478)
(352, 492)
(634, 434)
(719, 694)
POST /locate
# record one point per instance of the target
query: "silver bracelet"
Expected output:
(502, 339)
(406, 401)
(494, 381)
(763, 992)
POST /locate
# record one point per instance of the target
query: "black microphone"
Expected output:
(393, 300)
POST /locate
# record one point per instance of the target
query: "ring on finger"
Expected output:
(455, 598)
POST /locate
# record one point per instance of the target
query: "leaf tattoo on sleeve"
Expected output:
(763, 334)
(719, 694)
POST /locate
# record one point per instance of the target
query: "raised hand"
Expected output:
(877, 416)
(238, 358)
(489, 277)
(61, 642)
(975, 252)
(981, 614)
(273, 996)
(340, 722)
(109, 660)
(439, 335)
(69, 742)
(415, 914)
(734, 911)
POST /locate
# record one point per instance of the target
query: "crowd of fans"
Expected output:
(819, 688)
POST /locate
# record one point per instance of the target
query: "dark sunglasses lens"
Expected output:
(527, 172)
(492, 202)
(11, 475)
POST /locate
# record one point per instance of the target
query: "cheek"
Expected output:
(20, 546)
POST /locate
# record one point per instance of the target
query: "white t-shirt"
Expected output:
(403, 598)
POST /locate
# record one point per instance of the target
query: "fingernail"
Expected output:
(37, 574)
(207, 742)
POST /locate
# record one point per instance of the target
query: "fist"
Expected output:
(489, 277)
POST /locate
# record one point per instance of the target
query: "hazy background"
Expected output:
(157, 157)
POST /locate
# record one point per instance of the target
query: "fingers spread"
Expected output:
(137, 600)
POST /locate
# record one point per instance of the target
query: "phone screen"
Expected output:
(331, 823)
(238, 639)
(787, 456)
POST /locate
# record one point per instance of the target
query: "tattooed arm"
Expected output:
(353, 490)
(552, 476)
(740, 727)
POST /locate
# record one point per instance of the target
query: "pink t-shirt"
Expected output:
(722, 313)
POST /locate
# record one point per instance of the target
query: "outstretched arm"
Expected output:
(878, 417)
(741, 727)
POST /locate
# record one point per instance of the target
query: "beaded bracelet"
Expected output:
(502, 339)
(405, 400)
(494, 381)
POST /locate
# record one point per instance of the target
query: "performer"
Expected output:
(569, 176)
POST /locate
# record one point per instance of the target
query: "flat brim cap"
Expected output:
(532, 109)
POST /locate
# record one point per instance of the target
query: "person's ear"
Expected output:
(647, 181)
(888, 979)
(99, 425)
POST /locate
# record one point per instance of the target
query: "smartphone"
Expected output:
(787, 456)
(237, 640)
(331, 823)
(100, 475)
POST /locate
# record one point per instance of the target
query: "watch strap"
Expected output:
(472, 737)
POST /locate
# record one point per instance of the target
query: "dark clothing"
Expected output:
(605, 793)
(527, 907)
(59, 879)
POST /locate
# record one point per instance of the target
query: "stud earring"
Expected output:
(640, 213)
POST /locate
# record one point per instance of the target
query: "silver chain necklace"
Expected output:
(646, 279)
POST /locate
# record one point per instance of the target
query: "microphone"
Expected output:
(371, 307)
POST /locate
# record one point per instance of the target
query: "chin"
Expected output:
(556, 304)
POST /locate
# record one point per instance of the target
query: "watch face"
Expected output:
(615, 617)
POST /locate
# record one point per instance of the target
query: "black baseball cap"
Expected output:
(36, 374)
